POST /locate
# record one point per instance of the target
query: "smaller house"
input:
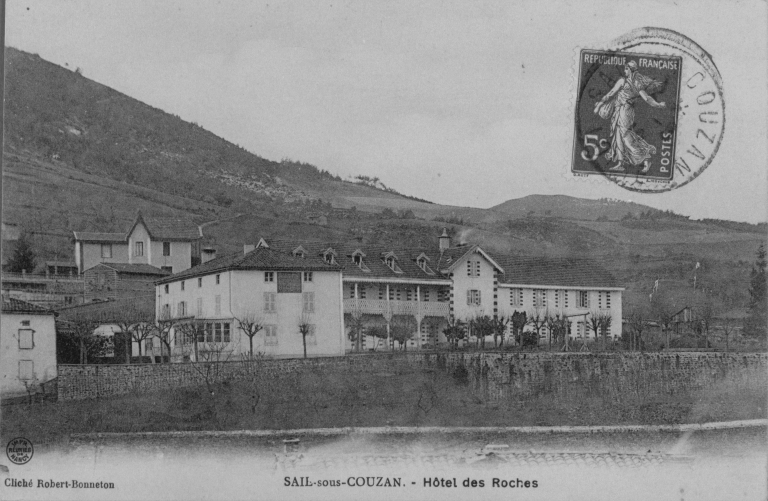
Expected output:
(27, 348)
(169, 243)
(121, 280)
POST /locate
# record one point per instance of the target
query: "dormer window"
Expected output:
(422, 261)
(391, 262)
(357, 258)
(299, 252)
(329, 255)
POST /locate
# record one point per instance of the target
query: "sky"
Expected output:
(461, 103)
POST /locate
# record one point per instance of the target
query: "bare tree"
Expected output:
(250, 324)
(305, 328)
(499, 327)
(706, 317)
(605, 320)
(356, 324)
(455, 331)
(136, 324)
(192, 333)
(81, 332)
(519, 320)
(538, 320)
(557, 325)
(402, 329)
(727, 325)
(662, 312)
(636, 321)
(164, 331)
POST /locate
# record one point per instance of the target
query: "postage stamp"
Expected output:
(649, 111)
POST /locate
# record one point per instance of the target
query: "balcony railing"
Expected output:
(381, 307)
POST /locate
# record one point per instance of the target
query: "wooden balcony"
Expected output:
(382, 307)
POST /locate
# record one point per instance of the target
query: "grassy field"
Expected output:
(398, 395)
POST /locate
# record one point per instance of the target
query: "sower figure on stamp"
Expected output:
(627, 147)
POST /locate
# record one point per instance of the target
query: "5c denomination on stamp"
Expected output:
(649, 111)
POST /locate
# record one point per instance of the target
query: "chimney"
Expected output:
(207, 254)
(445, 240)
(248, 248)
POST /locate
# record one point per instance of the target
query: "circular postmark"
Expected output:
(650, 113)
(19, 450)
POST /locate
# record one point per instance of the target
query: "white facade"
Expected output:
(226, 296)
(27, 351)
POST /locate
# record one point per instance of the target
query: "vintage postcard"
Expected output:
(384, 250)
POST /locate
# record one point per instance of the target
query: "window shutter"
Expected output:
(469, 297)
(478, 298)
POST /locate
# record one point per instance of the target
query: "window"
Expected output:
(270, 302)
(408, 296)
(182, 285)
(26, 370)
(473, 297)
(225, 335)
(165, 288)
(309, 302)
(218, 279)
(604, 300)
(166, 248)
(169, 269)
(583, 299)
(217, 307)
(148, 344)
(473, 268)
(199, 307)
(565, 299)
(182, 311)
(138, 249)
(391, 262)
(26, 339)
(288, 282)
(329, 258)
(382, 291)
(25, 323)
(269, 276)
(516, 297)
(539, 298)
(270, 335)
(307, 276)
(311, 339)
(208, 333)
(361, 292)
(106, 250)
(357, 259)
(199, 282)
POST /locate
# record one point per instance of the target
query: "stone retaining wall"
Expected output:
(495, 374)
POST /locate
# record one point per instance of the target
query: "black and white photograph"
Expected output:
(384, 250)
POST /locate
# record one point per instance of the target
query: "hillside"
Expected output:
(81, 156)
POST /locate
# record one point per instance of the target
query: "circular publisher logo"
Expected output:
(19, 450)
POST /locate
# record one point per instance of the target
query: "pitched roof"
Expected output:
(111, 309)
(90, 236)
(375, 266)
(167, 228)
(261, 258)
(172, 228)
(565, 272)
(135, 269)
(451, 256)
(13, 305)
